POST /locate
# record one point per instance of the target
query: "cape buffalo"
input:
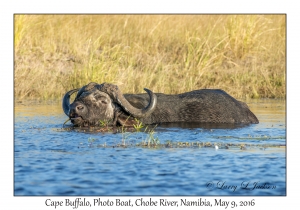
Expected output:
(96, 103)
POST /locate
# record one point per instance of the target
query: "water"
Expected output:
(49, 160)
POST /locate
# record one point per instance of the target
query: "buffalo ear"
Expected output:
(126, 120)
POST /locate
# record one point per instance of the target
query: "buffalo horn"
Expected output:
(85, 88)
(114, 92)
(66, 101)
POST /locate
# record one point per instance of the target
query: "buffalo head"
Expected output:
(103, 102)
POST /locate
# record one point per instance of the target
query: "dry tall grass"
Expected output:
(241, 54)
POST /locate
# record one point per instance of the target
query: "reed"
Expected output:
(245, 55)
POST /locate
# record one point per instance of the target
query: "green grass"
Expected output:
(245, 55)
(138, 126)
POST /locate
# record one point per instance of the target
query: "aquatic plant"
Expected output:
(151, 139)
(138, 126)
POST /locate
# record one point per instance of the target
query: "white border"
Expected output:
(8, 201)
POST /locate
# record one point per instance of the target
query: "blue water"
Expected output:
(49, 160)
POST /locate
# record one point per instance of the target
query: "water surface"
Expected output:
(49, 160)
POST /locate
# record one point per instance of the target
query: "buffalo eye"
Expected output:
(100, 98)
(104, 101)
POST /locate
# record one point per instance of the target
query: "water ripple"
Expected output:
(51, 161)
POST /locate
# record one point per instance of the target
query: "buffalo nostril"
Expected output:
(79, 107)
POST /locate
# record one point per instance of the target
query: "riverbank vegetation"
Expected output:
(245, 55)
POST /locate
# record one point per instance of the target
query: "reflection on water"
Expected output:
(201, 125)
(49, 160)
